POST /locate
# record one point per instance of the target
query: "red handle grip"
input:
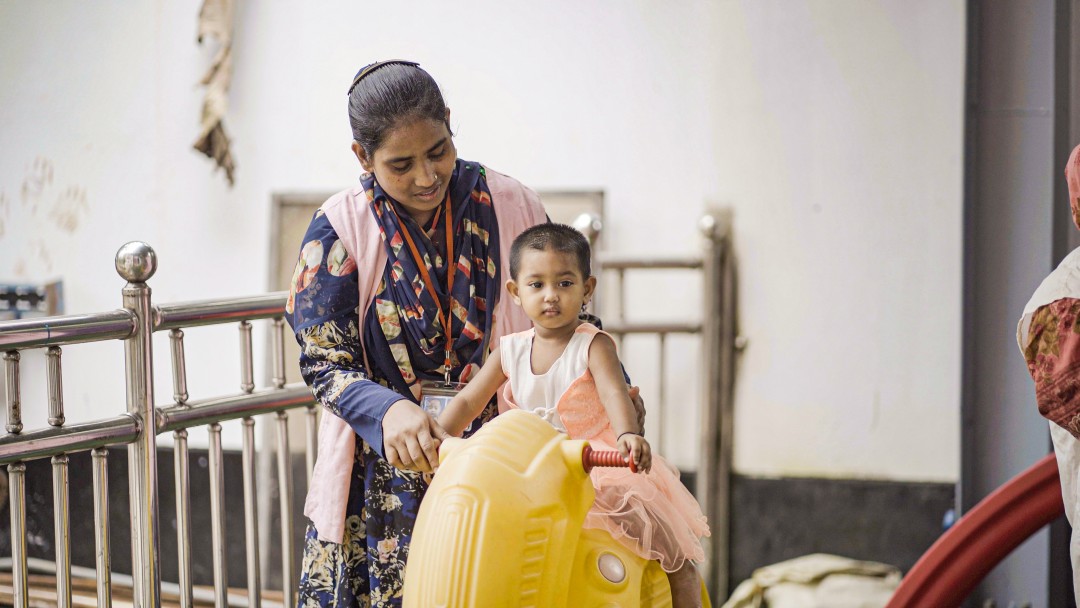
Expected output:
(604, 458)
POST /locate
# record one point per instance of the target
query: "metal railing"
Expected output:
(138, 427)
(135, 324)
(717, 330)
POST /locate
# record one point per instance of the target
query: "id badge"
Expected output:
(435, 396)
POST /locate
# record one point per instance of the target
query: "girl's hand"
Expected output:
(634, 448)
(411, 437)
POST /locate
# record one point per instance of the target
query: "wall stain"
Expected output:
(5, 212)
(41, 250)
(39, 176)
(65, 208)
(68, 209)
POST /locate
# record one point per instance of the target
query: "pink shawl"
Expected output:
(516, 208)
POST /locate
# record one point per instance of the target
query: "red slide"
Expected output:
(969, 550)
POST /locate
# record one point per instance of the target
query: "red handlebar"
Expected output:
(604, 458)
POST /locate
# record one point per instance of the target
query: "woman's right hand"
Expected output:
(411, 437)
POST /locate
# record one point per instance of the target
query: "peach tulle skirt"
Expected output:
(652, 514)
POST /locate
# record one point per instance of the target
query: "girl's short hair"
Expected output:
(556, 237)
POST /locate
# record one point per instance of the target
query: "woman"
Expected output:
(1049, 338)
(385, 268)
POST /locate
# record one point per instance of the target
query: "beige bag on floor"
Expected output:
(817, 581)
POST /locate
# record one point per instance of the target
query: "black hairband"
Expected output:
(367, 69)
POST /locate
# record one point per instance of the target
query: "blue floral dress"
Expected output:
(404, 338)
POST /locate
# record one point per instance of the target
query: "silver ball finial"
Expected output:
(588, 224)
(708, 225)
(136, 262)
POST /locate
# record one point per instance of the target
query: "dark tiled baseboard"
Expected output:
(774, 519)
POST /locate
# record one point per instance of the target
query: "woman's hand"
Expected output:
(411, 437)
(639, 406)
(634, 448)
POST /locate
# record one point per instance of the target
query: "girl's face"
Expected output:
(550, 288)
(414, 165)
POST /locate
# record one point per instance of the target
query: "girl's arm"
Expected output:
(467, 405)
(610, 384)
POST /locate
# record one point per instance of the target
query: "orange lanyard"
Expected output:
(444, 316)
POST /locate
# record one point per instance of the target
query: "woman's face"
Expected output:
(414, 164)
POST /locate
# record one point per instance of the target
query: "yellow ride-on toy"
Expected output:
(501, 526)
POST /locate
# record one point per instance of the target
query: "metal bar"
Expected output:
(624, 263)
(311, 443)
(212, 312)
(136, 262)
(592, 227)
(660, 426)
(70, 329)
(247, 369)
(231, 408)
(251, 514)
(620, 315)
(179, 366)
(56, 386)
(61, 531)
(54, 441)
(706, 484)
(713, 476)
(285, 484)
(17, 493)
(101, 527)
(278, 352)
(203, 595)
(620, 328)
(183, 516)
(725, 392)
(217, 518)
(14, 391)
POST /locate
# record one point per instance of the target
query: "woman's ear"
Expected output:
(362, 156)
(512, 289)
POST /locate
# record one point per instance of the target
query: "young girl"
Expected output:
(567, 372)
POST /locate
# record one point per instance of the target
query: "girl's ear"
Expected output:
(590, 288)
(512, 289)
(362, 156)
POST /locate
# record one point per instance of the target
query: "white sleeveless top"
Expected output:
(540, 393)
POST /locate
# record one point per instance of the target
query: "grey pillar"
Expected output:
(1019, 99)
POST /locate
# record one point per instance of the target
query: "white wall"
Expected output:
(843, 124)
(832, 128)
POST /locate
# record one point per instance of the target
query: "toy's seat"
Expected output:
(501, 526)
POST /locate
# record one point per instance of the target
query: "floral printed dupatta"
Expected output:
(407, 313)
